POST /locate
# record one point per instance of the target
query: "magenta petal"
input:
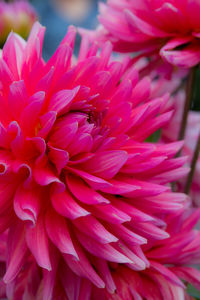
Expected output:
(105, 251)
(65, 205)
(37, 242)
(128, 236)
(47, 122)
(167, 273)
(136, 214)
(83, 192)
(70, 281)
(83, 267)
(58, 232)
(96, 183)
(85, 290)
(141, 92)
(50, 278)
(59, 157)
(92, 227)
(63, 133)
(119, 187)
(105, 272)
(33, 48)
(146, 188)
(27, 204)
(143, 26)
(107, 164)
(186, 58)
(45, 82)
(17, 98)
(14, 49)
(30, 114)
(150, 231)
(110, 213)
(17, 251)
(188, 274)
(44, 175)
(60, 102)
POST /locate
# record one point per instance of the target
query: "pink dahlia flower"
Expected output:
(169, 26)
(170, 133)
(18, 16)
(80, 187)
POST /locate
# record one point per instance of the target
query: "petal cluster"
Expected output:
(169, 26)
(81, 190)
(19, 16)
(170, 269)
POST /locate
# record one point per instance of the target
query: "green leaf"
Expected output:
(192, 291)
(154, 138)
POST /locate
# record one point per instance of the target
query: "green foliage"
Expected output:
(196, 93)
(154, 138)
(192, 291)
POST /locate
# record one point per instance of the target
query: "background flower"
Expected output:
(18, 16)
(171, 27)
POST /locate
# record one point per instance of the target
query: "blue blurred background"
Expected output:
(57, 15)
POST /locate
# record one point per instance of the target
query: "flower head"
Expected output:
(18, 16)
(171, 27)
(80, 186)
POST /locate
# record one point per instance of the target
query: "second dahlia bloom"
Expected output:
(18, 16)
(169, 26)
(80, 187)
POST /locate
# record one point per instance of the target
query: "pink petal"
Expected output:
(105, 272)
(58, 232)
(188, 57)
(83, 267)
(17, 98)
(65, 205)
(31, 113)
(13, 54)
(37, 242)
(167, 273)
(61, 101)
(105, 251)
(107, 164)
(110, 213)
(17, 251)
(27, 204)
(143, 26)
(83, 192)
(58, 157)
(92, 227)
(188, 274)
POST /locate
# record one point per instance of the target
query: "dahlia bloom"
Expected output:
(171, 27)
(18, 16)
(170, 133)
(80, 187)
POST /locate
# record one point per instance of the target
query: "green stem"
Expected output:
(193, 165)
(188, 101)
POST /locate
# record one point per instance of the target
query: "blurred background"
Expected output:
(57, 15)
